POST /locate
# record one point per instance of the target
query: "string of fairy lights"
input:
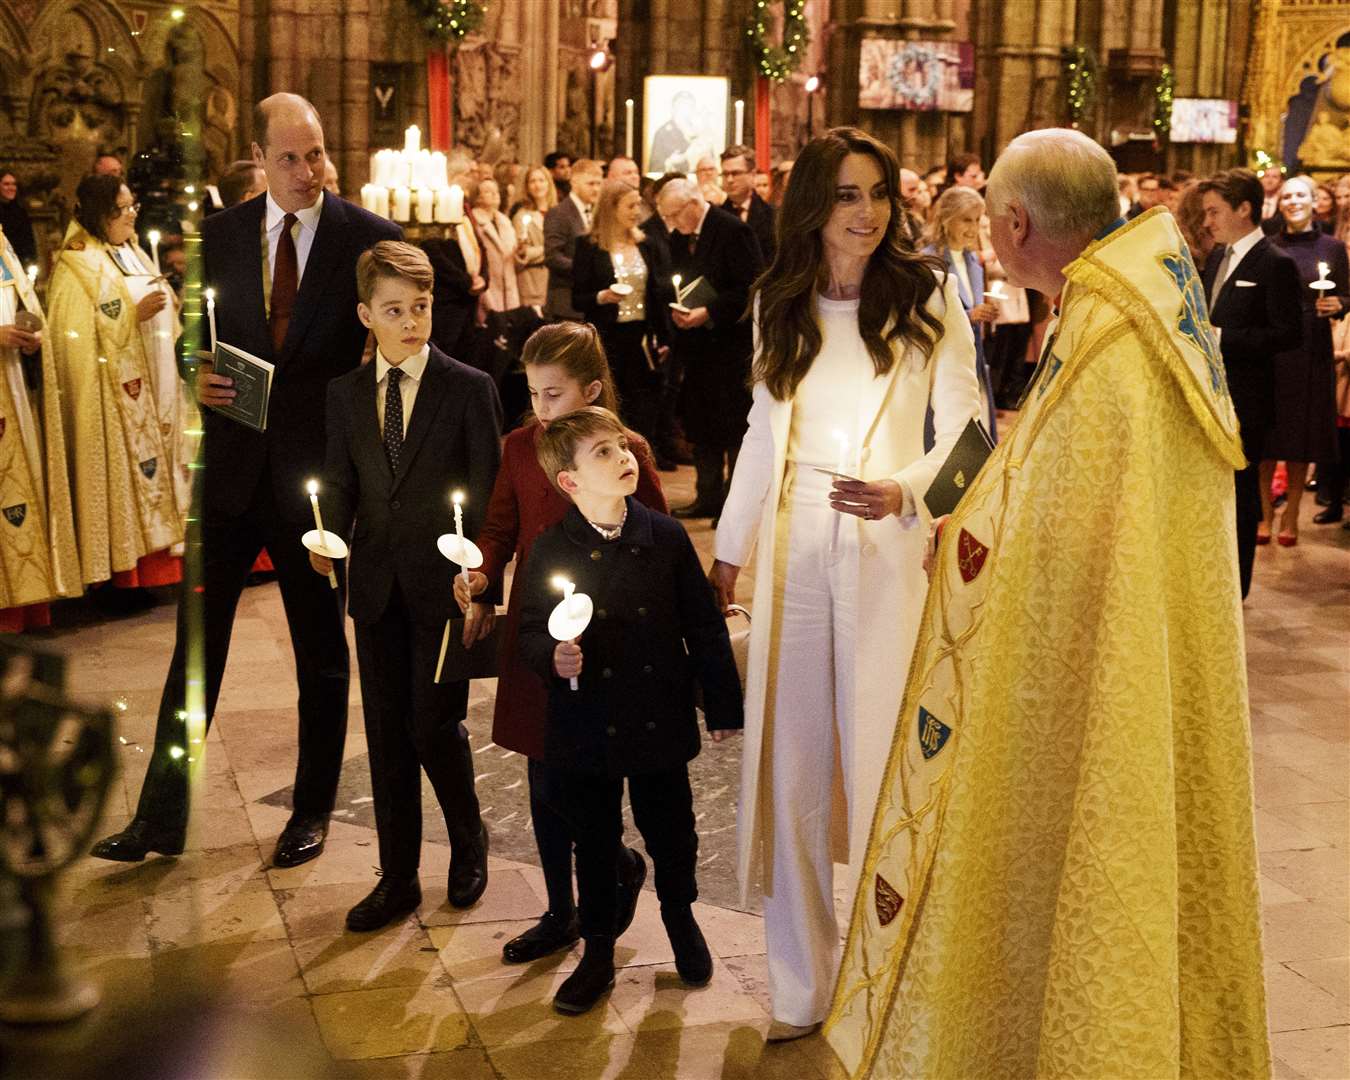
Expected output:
(450, 20)
(777, 61)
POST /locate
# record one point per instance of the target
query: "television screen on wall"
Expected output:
(926, 76)
(1204, 120)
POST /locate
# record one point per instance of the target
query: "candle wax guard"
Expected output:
(328, 544)
(571, 617)
(621, 288)
(468, 556)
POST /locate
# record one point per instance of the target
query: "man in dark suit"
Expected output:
(458, 287)
(1255, 304)
(738, 181)
(565, 222)
(403, 432)
(283, 269)
(713, 340)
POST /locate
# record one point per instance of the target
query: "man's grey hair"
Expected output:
(680, 191)
(1064, 181)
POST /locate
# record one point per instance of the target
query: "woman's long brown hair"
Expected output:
(896, 284)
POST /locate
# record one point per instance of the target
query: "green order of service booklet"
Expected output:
(963, 464)
(252, 377)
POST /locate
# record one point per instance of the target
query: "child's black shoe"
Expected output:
(593, 978)
(692, 959)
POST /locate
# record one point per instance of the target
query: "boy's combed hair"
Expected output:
(392, 259)
(558, 443)
(575, 347)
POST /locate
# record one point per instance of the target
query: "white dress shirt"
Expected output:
(413, 369)
(583, 208)
(302, 233)
(1236, 253)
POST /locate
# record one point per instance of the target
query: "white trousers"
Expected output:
(812, 695)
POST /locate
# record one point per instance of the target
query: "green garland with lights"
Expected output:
(777, 62)
(449, 20)
(1080, 85)
(1162, 105)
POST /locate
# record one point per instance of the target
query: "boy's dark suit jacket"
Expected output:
(716, 356)
(656, 631)
(593, 270)
(453, 442)
(1258, 321)
(325, 339)
(453, 302)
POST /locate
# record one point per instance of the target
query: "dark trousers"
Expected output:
(553, 838)
(1247, 489)
(413, 723)
(314, 617)
(663, 810)
(1331, 475)
(638, 384)
(713, 469)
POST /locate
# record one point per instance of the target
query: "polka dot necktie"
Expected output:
(393, 418)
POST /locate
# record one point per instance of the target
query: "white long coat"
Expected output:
(890, 580)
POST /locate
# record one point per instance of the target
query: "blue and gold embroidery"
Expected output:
(1193, 323)
(933, 734)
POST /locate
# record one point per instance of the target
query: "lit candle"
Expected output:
(458, 499)
(456, 204)
(568, 588)
(740, 122)
(153, 237)
(211, 316)
(628, 127)
(440, 178)
(443, 206)
(1322, 284)
(412, 140)
(524, 223)
(313, 488)
(32, 273)
(676, 279)
(382, 201)
(402, 203)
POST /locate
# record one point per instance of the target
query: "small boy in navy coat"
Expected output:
(656, 632)
(404, 431)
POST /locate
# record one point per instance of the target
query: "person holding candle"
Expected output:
(1304, 428)
(566, 368)
(38, 560)
(527, 218)
(119, 387)
(857, 336)
(403, 433)
(656, 635)
(953, 235)
(283, 267)
(621, 284)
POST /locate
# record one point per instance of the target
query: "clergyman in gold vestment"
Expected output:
(1061, 874)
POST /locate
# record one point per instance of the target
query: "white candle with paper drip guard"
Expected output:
(619, 288)
(210, 295)
(676, 279)
(1323, 283)
(570, 618)
(32, 273)
(318, 540)
(153, 237)
(463, 553)
(995, 291)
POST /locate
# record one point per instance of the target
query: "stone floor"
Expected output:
(184, 948)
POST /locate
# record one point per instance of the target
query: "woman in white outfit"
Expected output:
(855, 335)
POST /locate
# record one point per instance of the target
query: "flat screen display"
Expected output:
(1204, 120)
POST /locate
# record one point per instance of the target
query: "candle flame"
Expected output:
(840, 438)
(312, 487)
(210, 295)
(153, 235)
(561, 583)
(1322, 269)
(457, 498)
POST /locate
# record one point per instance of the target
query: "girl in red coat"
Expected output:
(566, 368)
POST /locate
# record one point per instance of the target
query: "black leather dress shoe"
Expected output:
(695, 510)
(1329, 516)
(692, 959)
(136, 841)
(468, 871)
(551, 934)
(632, 873)
(593, 978)
(301, 840)
(391, 899)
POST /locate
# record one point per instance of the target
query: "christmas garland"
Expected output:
(777, 62)
(1080, 86)
(449, 20)
(1162, 105)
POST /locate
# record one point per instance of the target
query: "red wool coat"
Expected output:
(524, 505)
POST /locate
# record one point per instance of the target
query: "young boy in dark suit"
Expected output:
(655, 633)
(404, 432)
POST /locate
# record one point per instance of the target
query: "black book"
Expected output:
(696, 294)
(458, 664)
(958, 472)
(252, 377)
